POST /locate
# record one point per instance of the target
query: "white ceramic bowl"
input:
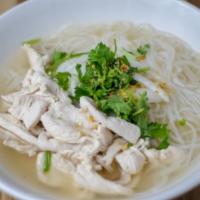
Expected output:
(40, 17)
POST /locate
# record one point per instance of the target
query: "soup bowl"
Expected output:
(36, 18)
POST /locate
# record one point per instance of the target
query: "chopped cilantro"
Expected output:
(181, 122)
(109, 80)
(101, 55)
(62, 78)
(129, 145)
(159, 132)
(104, 73)
(115, 104)
(142, 50)
(140, 53)
(140, 116)
(47, 161)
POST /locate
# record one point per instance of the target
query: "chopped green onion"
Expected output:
(143, 70)
(47, 161)
(115, 44)
(138, 112)
(129, 145)
(32, 41)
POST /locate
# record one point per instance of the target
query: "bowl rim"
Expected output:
(18, 193)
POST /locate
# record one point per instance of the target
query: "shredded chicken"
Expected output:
(86, 177)
(107, 159)
(28, 109)
(128, 131)
(131, 160)
(84, 141)
(16, 143)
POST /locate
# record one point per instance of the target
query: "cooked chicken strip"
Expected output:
(44, 143)
(68, 123)
(89, 148)
(104, 136)
(131, 160)
(87, 178)
(40, 85)
(127, 130)
(36, 61)
(37, 76)
(44, 86)
(16, 128)
(107, 159)
(10, 124)
(74, 115)
(16, 143)
(60, 128)
(29, 109)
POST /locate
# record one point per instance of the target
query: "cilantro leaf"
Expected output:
(81, 91)
(142, 50)
(159, 132)
(62, 78)
(104, 73)
(101, 55)
(140, 53)
(140, 116)
(115, 104)
(156, 131)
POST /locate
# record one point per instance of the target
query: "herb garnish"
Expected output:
(47, 161)
(140, 53)
(143, 50)
(32, 41)
(109, 80)
(62, 78)
(181, 122)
